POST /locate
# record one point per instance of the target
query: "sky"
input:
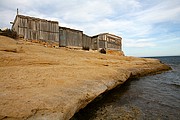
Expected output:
(148, 27)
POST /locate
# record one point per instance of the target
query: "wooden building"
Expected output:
(76, 38)
(70, 37)
(32, 28)
(107, 41)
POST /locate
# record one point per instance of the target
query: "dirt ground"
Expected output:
(38, 82)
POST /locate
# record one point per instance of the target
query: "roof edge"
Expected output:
(34, 18)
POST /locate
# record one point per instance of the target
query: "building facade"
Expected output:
(32, 28)
(107, 41)
(70, 37)
(36, 29)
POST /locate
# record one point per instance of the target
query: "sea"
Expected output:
(153, 97)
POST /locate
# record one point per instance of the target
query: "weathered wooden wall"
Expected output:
(107, 41)
(36, 29)
(70, 37)
(113, 42)
(102, 41)
(95, 43)
(62, 37)
(87, 42)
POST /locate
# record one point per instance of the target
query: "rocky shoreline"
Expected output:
(55, 83)
(130, 74)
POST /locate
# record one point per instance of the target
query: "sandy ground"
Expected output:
(38, 82)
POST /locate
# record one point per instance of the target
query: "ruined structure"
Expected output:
(107, 41)
(32, 28)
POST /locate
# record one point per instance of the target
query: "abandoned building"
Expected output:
(36, 29)
(32, 28)
(72, 37)
(107, 41)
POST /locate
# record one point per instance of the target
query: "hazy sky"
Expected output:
(148, 27)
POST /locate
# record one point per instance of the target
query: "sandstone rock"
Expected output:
(46, 83)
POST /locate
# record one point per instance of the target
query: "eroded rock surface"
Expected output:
(38, 82)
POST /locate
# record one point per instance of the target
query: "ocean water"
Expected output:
(155, 97)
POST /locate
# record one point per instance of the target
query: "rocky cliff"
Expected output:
(37, 82)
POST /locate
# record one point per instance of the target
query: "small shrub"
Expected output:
(9, 33)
